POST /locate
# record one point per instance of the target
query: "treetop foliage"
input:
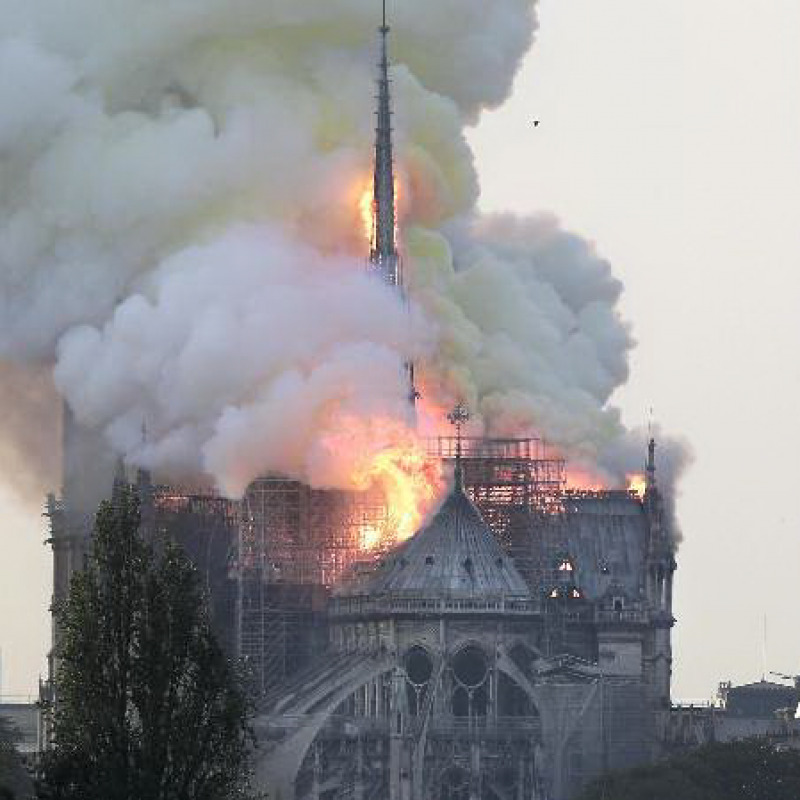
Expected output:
(147, 706)
(748, 770)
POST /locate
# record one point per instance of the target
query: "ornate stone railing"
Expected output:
(629, 616)
(367, 606)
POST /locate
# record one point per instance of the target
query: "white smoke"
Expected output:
(181, 233)
(240, 353)
(533, 338)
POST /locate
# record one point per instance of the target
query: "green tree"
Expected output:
(749, 770)
(147, 706)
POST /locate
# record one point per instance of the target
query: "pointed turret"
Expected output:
(650, 467)
(659, 538)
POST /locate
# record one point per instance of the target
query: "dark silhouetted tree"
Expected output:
(749, 770)
(147, 706)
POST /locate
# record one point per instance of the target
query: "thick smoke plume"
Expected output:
(180, 235)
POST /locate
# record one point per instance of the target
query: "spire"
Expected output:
(383, 255)
(653, 501)
(650, 470)
(458, 416)
(143, 476)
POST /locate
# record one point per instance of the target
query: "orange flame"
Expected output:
(637, 484)
(583, 478)
(385, 454)
(366, 209)
(410, 481)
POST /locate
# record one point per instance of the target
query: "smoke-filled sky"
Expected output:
(669, 136)
(180, 203)
(182, 241)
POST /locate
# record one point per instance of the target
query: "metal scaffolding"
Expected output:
(270, 559)
(294, 543)
(518, 485)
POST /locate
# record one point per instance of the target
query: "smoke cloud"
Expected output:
(180, 234)
(29, 443)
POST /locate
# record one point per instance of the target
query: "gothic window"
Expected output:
(470, 666)
(419, 670)
(419, 665)
(470, 671)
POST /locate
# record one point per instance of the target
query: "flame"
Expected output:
(411, 483)
(366, 210)
(584, 479)
(370, 537)
(637, 484)
(385, 454)
(366, 207)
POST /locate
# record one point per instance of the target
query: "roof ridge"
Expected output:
(455, 551)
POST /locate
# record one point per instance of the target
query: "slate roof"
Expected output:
(454, 554)
(606, 538)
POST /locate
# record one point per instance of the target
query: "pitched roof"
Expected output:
(455, 553)
(764, 686)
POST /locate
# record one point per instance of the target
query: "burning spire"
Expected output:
(384, 258)
(383, 254)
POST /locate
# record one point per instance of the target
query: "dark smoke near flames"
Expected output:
(181, 242)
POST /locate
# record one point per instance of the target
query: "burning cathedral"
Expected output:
(513, 646)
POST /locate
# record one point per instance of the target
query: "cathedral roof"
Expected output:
(455, 553)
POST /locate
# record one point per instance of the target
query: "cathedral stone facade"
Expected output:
(448, 676)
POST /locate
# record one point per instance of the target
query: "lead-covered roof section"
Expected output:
(606, 538)
(455, 554)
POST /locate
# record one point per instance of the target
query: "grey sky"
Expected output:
(669, 135)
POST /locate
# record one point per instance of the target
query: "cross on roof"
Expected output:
(458, 417)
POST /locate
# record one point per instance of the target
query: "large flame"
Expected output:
(382, 453)
(411, 482)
